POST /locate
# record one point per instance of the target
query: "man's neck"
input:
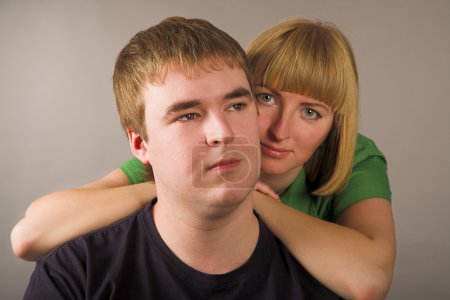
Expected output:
(215, 245)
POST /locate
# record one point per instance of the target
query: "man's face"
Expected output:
(203, 141)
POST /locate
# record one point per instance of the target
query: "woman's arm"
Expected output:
(354, 258)
(61, 216)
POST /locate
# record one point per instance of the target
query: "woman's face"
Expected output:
(291, 127)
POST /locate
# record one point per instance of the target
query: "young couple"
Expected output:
(210, 124)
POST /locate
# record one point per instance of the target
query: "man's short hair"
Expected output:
(188, 45)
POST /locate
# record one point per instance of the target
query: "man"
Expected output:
(184, 96)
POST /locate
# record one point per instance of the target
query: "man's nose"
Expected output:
(218, 131)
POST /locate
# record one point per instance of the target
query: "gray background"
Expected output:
(61, 128)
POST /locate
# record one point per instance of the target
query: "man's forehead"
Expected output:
(176, 86)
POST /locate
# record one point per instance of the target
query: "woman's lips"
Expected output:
(274, 152)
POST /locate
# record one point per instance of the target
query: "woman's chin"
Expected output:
(271, 170)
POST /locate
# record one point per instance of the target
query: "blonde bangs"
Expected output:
(307, 71)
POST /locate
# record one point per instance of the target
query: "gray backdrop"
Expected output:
(61, 127)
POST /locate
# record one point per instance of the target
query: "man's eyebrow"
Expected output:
(180, 106)
(187, 104)
(237, 93)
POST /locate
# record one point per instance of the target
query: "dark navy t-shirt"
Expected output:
(129, 260)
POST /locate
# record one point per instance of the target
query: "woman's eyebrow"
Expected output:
(315, 104)
(272, 90)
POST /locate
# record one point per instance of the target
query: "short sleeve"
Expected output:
(42, 287)
(60, 275)
(369, 178)
(135, 170)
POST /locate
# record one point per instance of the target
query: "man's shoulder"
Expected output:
(85, 265)
(285, 266)
(107, 239)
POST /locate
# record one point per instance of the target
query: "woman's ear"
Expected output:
(138, 146)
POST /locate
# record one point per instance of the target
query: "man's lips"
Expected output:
(225, 164)
(274, 152)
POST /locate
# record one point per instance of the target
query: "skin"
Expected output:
(291, 127)
(194, 140)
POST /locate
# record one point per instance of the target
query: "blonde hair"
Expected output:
(314, 59)
(188, 45)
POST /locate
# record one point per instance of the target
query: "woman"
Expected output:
(335, 216)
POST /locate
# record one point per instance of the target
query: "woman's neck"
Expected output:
(280, 182)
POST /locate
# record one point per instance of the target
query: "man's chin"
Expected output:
(230, 180)
(223, 202)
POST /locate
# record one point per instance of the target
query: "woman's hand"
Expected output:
(267, 190)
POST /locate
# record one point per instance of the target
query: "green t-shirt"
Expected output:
(368, 180)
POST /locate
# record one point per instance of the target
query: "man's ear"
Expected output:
(138, 146)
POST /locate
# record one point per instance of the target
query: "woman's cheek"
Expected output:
(264, 121)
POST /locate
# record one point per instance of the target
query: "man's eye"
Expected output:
(188, 117)
(310, 114)
(237, 106)
(266, 98)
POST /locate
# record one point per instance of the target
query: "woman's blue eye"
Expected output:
(266, 98)
(310, 113)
